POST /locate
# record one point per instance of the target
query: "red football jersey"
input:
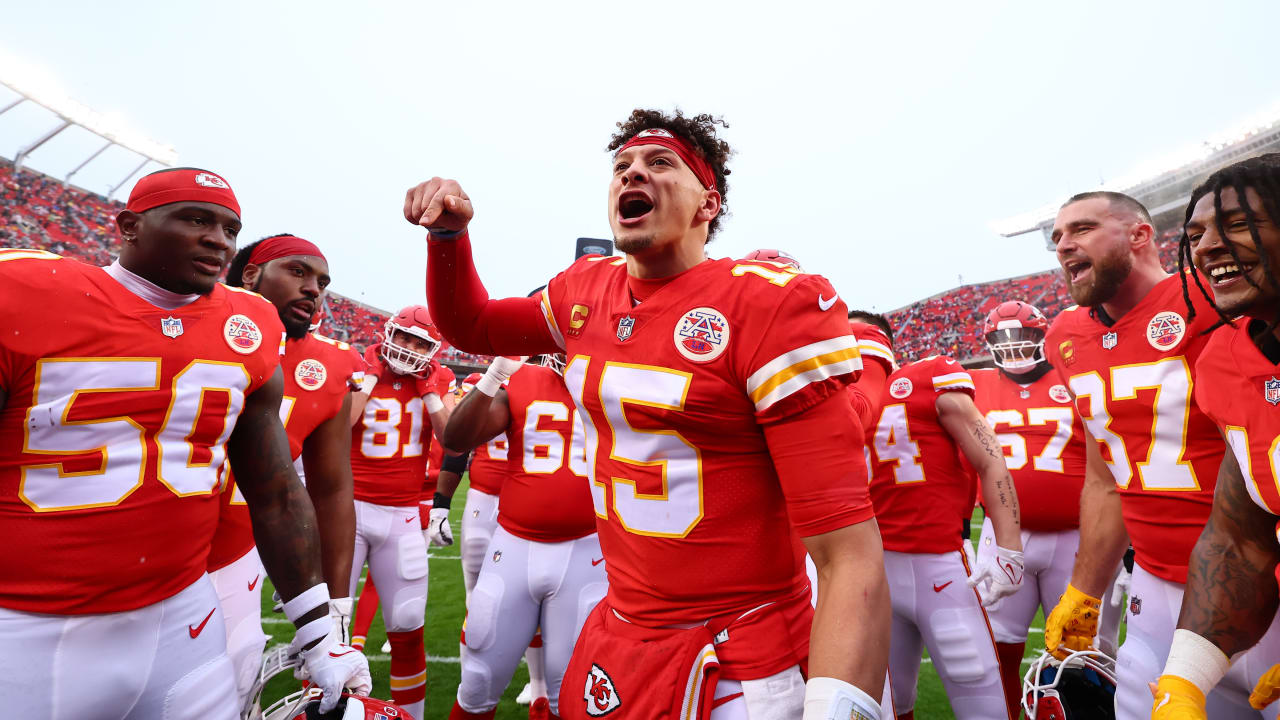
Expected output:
(1043, 441)
(318, 373)
(390, 441)
(1238, 388)
(919, 484)
(113, 438)
(488, 469)
(443, 382)
(1133, 383)
(693, 519)
(873, 345)
(541, 463)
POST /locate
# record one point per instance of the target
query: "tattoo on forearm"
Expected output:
(1005, 495)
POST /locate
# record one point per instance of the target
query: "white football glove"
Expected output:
(439, 533)
(332, 666)
(831, 699)
(340, 610)
(998, 575)
(500, 371)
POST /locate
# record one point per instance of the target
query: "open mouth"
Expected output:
(1077, 270)
(633, 206)
(302, 309)
(1228, 273)
(208, 264)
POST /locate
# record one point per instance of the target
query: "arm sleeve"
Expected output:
(817, 454)
(461, 308)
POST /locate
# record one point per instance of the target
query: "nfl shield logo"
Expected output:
(1135, 606)
(1272, 390)
(1109, 340)
(171, 326)
(625, 326)
(1024, 394)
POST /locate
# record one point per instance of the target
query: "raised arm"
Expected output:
(460, 304)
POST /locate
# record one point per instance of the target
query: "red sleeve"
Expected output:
(867, 394)
(372, 365)
(468, 319)
(818, 457)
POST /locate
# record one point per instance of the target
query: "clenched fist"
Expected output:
(438, 205)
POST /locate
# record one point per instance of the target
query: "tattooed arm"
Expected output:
(1101, 522)
(284, 522)
(975, 438)
(1231, 593)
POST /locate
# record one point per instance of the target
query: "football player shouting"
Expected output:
(1127, 353)
(543, 568)
(124, 391)
(922, 489)
(1035, 421)
(1232, 238)
(399, 409)
(319, 374)
(717, 434)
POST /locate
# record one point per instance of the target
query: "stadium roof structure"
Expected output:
(71, 113)
(1165, 184)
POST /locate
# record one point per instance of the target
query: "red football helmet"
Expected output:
(1014, 332)
(775, 256)
(1081, 686)
(414, 320)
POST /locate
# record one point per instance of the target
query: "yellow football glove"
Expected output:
(1073, 623)
(1177, 699)
(1267, 689)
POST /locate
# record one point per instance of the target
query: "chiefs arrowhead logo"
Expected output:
(600, 694)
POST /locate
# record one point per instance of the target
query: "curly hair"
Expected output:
(1262, 173)
(697, 130)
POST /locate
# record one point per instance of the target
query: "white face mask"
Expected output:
(402, 359)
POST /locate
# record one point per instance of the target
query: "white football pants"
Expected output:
(390, 540)
(524, 585)
(934, 608)
(1049, 558)
(479, 518)
(1154, 605)
(239, 589)
(165, 661)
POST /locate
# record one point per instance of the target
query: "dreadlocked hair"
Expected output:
(1262, 173)
(697, 130)
(235, 271)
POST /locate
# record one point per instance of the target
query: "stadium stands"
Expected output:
(948, 323)
(40, 212)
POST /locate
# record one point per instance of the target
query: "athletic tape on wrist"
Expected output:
(306, 601)
(313, 631)
(432, 402)
(1196, 660)
(831, 699)
(341, 606)
(489, 385)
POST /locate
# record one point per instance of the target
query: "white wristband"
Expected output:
(432, 402)
(1196, 660)
(489, 385)
(312, 631)
(831, 699)
(306, 601)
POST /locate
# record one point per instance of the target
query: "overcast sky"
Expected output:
(874, 141)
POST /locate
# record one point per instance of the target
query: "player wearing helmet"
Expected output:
(1043, 440)
(319, 374)
(1231, 236)
(543, 568)
(719, 440)
(922, 489)
(400, 408)
(113, 446)
(782, 257)
(1128, 355)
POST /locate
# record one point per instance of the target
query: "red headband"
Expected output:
(283, 246)
(658, 136)
(181, 185)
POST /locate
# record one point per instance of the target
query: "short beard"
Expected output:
(1109, 273)
(631, 246)
(295, 329)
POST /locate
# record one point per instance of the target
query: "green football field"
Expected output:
(445, 609)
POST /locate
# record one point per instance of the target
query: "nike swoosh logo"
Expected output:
(409, 519)
(596, 562)
(943, 586)
(348, 651)
(197, 629)
(825, 305)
